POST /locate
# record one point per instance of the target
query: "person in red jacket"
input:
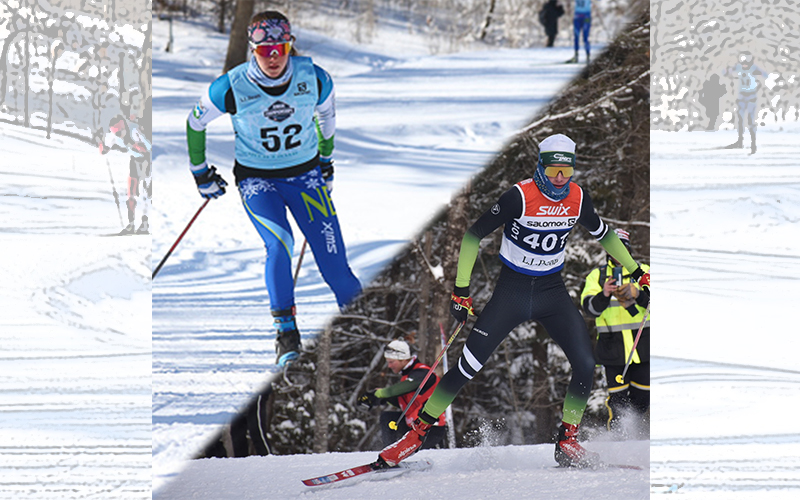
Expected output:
(399, 359)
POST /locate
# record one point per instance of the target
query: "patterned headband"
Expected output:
(269, 32)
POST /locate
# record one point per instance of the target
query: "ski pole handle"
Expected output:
(621, 378)
(393, 423)
(160, 264)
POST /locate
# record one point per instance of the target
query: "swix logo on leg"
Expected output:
(550, 210)
(330, 237)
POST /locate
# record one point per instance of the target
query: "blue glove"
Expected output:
(209, 182)
(326, 165)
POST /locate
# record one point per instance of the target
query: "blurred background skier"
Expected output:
(283, 114)
(412, 372)
(126, 134)
(538, 215)
(582, 24)
(747, 75)
(612, 297)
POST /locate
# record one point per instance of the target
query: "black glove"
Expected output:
(643, 279)
(209, 182)
(369, 399)
(461, 304)
(326, 165)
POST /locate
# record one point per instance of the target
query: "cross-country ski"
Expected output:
(375, 468)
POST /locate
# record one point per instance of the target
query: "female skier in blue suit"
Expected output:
(282, 108)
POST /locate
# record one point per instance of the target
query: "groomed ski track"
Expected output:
(725, 251)
(75, 314)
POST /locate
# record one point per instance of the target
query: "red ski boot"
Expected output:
(407, 445)
(569, 453)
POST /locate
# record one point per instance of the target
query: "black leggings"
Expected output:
(518, 298)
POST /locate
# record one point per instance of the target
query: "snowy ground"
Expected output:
(411, 129)
(502, 473)
(75, 326)
(725, 258)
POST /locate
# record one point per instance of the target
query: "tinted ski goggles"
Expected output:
(279, 49)
(116, 127)
(553, 170)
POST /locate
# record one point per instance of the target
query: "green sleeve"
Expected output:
(325, 145)
(470, 245)
(398, 389)
(616, 249)
(197, 145)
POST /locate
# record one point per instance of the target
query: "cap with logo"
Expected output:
(558, 150)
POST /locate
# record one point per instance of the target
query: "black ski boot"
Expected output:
(145, 227)
(736, 145)
(129, 229)
(287, 343)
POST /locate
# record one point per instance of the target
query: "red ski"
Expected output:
(602, 466)
(366, 469)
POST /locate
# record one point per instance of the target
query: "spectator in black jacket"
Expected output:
(548, 16)
(712, 92)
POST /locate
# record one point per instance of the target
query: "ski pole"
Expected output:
(300, 261)
(621, 378)
(158, 267)
(114, 189)
(451, 428)
(393, 423)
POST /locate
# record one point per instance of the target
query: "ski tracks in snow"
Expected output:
(722, 429)
(75, 327)
(724, 250)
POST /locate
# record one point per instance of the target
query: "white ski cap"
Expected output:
(557, 142)
(397, 349)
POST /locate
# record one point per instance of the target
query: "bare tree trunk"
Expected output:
(323, 392)
(424, 300)
(456, 227)
(27, 42)
(222, 11)
(543, 408)
(488, 20)
(55, 53)
(237, 45)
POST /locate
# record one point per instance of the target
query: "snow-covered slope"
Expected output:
(411, 129)
(75, 319)
(502, 473)
(725, 255)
